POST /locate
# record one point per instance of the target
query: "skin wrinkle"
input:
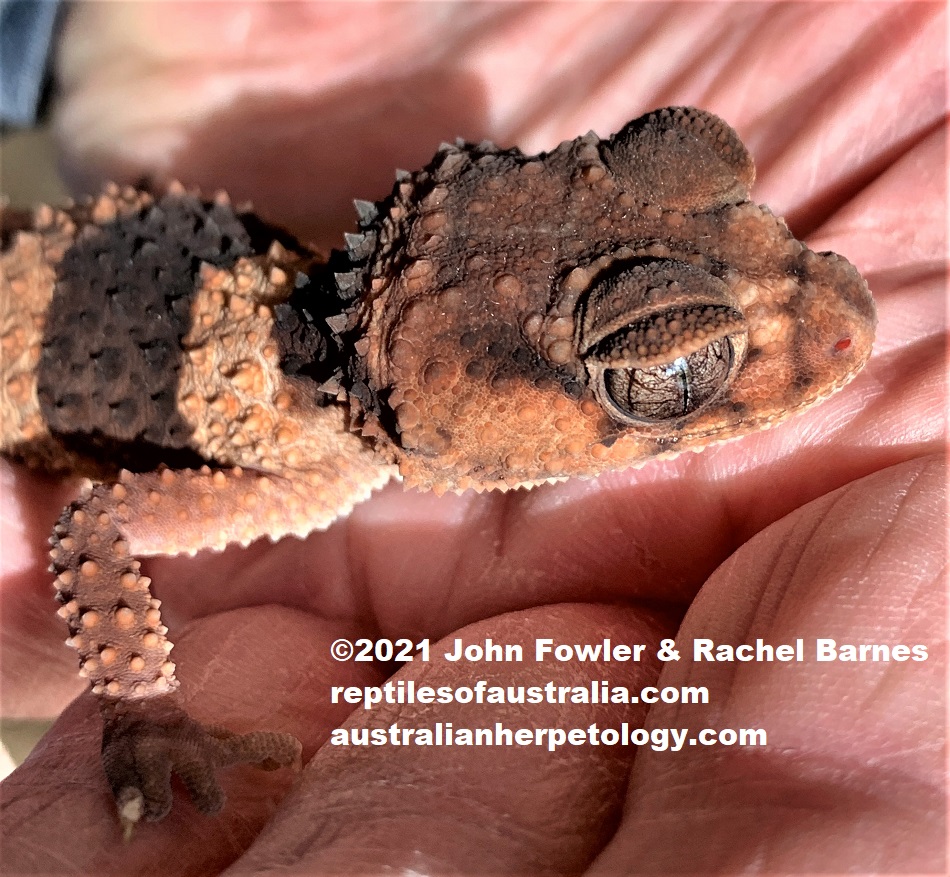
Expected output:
(467, 40)
(901, 500)
(881, 685)
(448, 787)
(921, 588)
(854, 774)
(216, 665)
(596, 69)
(865, 176)
(505, 523)
(795, 800)
(669, 80)
(918, 274)
(807, 104)
(758, 31)
(357, 581)
(731, 521)
(888, 529)
(885, 382)
(886, 232)
(736, 669)
(457, 565)
(778, 560)
(842, 499)
(727, 42)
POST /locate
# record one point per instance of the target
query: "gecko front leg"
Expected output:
(138, 329)
(115, 623)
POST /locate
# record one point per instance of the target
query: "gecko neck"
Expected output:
(308, 328)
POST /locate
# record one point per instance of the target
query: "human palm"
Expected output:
(828, 526)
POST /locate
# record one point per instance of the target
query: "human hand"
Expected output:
(859, 565)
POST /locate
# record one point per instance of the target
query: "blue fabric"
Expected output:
(26, 33)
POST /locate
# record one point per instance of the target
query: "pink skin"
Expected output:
(842, 107)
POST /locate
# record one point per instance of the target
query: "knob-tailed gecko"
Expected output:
(499, 321)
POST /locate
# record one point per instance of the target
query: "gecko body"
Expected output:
(499, 321)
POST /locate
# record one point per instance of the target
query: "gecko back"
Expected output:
(95, 303)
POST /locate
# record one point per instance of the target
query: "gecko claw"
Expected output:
(130, 804)
(144, 742)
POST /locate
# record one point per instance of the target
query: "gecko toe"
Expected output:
(144, 742)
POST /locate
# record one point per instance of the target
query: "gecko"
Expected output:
(499, 321)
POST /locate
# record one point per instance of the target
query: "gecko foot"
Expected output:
(144, 742)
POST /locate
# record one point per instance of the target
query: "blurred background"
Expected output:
(28, 172)
(28, 175)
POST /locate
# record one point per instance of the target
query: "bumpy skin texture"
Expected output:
(500, 321)
(504, 286)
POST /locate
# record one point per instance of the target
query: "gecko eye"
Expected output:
(670, 390)
(660, 340)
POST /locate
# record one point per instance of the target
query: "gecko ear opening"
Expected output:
(661, 341)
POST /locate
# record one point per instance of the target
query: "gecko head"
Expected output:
(533, 318)
(658, 356)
